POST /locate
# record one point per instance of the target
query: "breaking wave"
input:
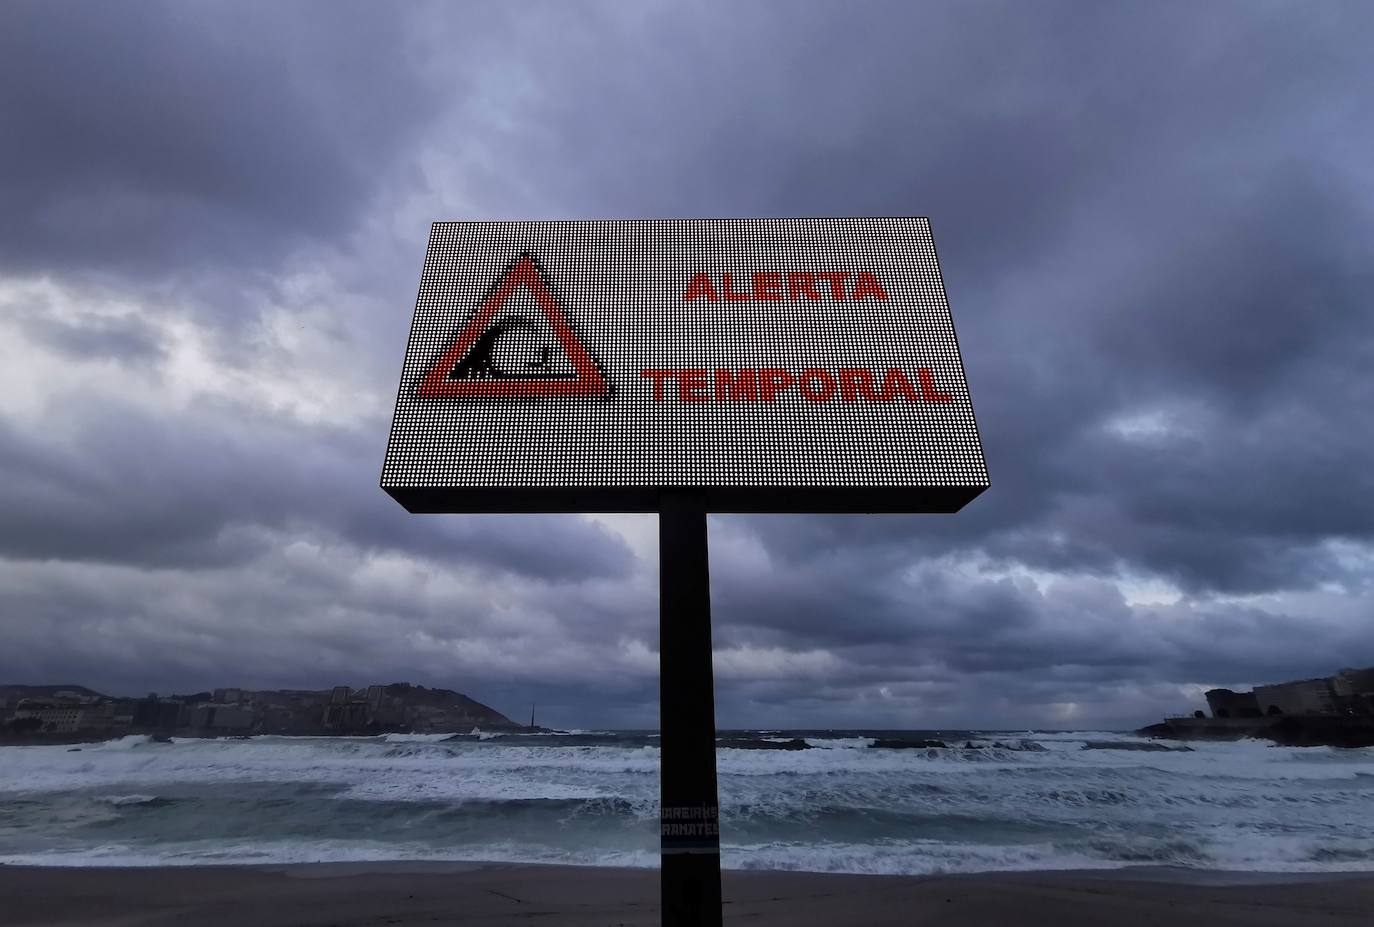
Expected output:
(849, 801)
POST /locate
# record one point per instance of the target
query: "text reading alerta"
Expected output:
(770, 285)
(766, 384)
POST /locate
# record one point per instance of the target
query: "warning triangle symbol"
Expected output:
(479, 364)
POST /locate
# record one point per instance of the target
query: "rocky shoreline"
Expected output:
(1303, 731)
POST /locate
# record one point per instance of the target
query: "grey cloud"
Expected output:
(160, 138)
(296, 616)
(1256, 337)
(126, 341)
(1139, 212)
(191, 489)
(923, 624)
(1129, 213)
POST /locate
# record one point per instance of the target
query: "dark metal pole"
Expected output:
(690, 817)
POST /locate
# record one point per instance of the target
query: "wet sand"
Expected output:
(358, 894)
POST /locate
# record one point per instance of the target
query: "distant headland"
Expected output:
(1333, 711)
(70, 713)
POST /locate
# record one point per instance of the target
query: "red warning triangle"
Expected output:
(587, 381)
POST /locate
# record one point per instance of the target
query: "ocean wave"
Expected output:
(559, 740)
(905, 858)
(1348, 853)
(151, 801)
(419, 748)
(1138, 850)
(415, 738)
(840, 743)
(763, 743)
(591, 797)
(127, 742)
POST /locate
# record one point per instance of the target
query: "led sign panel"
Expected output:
(778, 365)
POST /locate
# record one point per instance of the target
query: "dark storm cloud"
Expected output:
(962, 648)
(1155, 230)
(123, 340)
(168, 491)
(1131, 214)
(163, 137)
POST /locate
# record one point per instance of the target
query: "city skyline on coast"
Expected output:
(214, 225)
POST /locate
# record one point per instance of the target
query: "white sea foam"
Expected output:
(118, 800)
(845, 806)
(839, 743)
(415, 738)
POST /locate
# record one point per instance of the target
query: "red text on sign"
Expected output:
(815, 384)
(774, 286)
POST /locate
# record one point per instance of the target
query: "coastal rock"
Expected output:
(1149, 747)
(907, 744)
(1337, 731)
(1350, 730)
(1162, 729)
(795, 743)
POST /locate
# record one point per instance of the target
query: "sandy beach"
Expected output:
(437, 893)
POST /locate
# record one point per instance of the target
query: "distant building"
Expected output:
(290, 711)
(1304, 697)
(347, 713)
(1355, 690)
(157, 714)
(209, 716)
(56, 717)
(122, 713)
(385, 706)
(101, 715)
(1349, 692)
(1227, 704)
(341, 710)
(1358, 681)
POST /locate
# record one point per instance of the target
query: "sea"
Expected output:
(850, 802)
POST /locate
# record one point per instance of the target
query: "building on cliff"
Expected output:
(1349, 692)
(55, 717)
(1224, 703)
(1303, 697)
(218, 717)
(1335, 710)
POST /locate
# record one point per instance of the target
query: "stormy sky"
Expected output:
(1154, 222)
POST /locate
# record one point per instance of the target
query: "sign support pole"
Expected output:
(689, 815)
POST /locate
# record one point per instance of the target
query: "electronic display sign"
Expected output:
(775, 365)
